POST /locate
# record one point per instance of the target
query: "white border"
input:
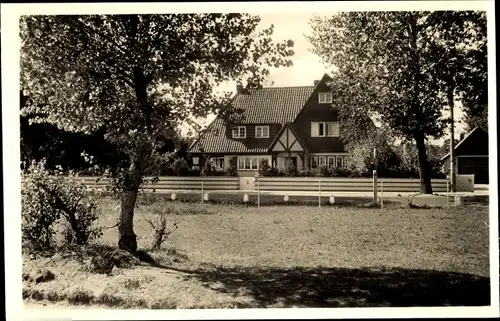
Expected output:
(10, 102)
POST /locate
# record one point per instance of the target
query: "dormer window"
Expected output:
(240, 132)
(325, 98)
(261, 131)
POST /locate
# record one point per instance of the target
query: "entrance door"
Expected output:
(294, 161)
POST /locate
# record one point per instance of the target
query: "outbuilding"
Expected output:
(471, 156)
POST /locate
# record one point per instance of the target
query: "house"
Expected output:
(471, 156)
(276, 123)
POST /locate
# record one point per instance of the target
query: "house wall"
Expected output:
(314, 111)
(281, 158)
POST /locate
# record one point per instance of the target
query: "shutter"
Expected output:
(314, 129)
(333, 129)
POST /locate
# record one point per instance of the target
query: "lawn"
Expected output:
(225, 256)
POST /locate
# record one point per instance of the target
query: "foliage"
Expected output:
(264, 168)
(140, 77)
(46, 197)
(232, 169)
(290, 169)
(396, 68)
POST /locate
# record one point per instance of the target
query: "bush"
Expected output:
(45, 198)
(232, 169)
(264, 168)
(290, 169)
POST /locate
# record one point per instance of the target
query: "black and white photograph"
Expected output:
(249, 160)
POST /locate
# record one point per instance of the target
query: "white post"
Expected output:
(319, 193)
(447, 194)
(381, 194)
(375, 187)
(258, 193)
(201, 191)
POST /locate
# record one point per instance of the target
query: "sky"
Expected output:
(307, 66)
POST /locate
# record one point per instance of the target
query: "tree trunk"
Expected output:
(127, 238)
(425, 175)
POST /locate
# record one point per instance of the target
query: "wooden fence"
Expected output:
(344, 184)
(178, 183)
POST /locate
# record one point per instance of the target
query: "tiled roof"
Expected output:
(214, 140)
(272, 105)
(275, 105)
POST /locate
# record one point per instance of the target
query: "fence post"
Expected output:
(375, 187)
(381, 194)
(447, 194)
(258, 193)
(319, 192)
(202, 191)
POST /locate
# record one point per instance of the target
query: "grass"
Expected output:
(235, 256)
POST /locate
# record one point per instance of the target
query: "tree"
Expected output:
(392, 66)
(64, 149)
(140, 76)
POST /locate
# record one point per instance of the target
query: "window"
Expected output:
(328, 161)
(255, 162)
(325, 98)
(340, 161)
(325, 129)
(314, 162)
(240, 132)
(219, 163)
(261, 131)
(251, 162)
(331, 162)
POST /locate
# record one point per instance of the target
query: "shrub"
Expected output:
(264, 168)
(290, 168)
(180, 167)
(323, 172)
(161, 232)
(37, 209)
(46, 197)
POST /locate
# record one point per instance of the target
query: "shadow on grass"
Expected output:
(342, 287)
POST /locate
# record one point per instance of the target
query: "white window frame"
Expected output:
(322, 161)
(316, 133)
(318, 161)
(261, 128)
(325, 98)
(237, 131)
(333, 160)
(217, 160)
(314, 162)
(340, 159)
(251, 162)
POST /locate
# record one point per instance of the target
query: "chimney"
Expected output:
(239, 88)
(316, 82)
(462, 136)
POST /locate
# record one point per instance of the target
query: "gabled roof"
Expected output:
(464, 139)
(277, 105)
(280, 132)
(271, 105)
